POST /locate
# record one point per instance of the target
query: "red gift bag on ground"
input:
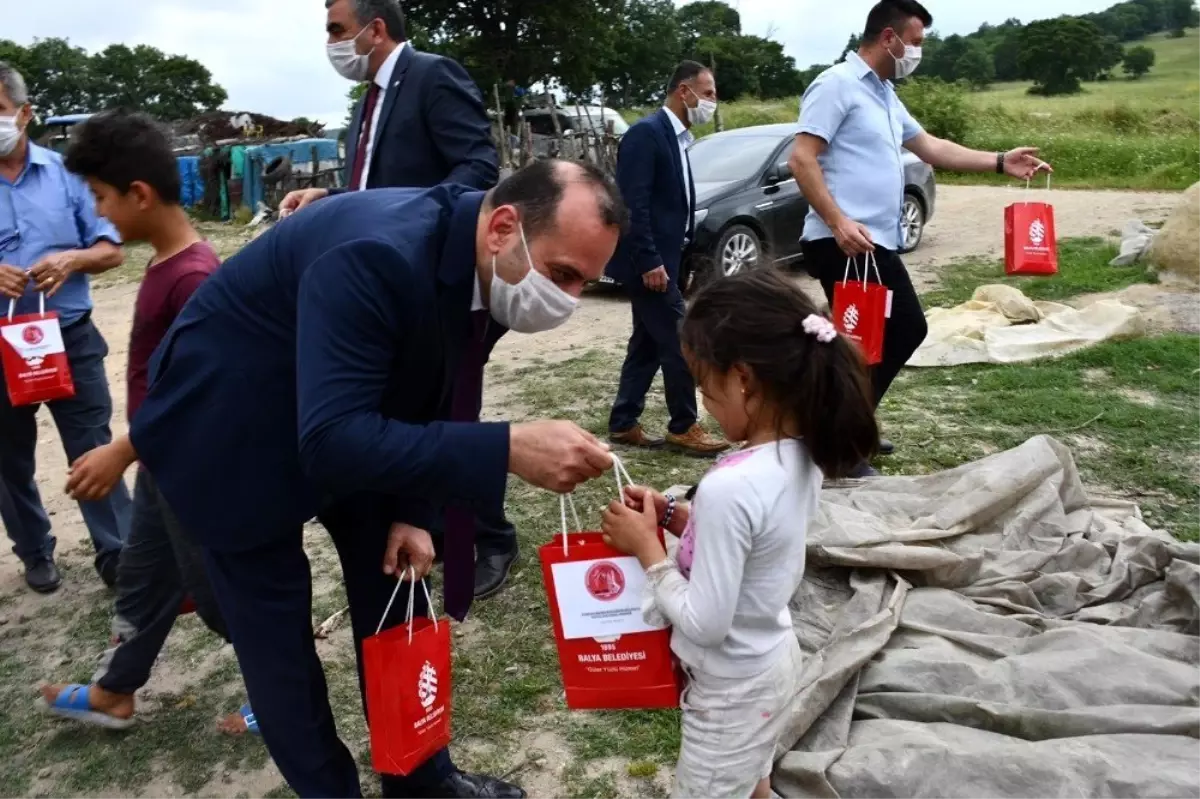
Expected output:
(407, 670)
(1030, 245)
(609, 657)
(36, 368)
(860, 310)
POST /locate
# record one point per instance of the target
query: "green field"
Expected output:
(1116, 134)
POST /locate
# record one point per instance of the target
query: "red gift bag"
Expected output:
(407, 671)
(609, 657)
(861, 310)
(1030, 245)
(36, 368)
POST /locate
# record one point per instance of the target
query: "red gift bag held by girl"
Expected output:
(861, 310)
(610, 658)
(1030, 245)
(407, 670)
(36, 368)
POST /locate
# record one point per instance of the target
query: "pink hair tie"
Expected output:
(820, 327)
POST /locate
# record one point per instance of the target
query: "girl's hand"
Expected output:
(634, 532)
(637, 496)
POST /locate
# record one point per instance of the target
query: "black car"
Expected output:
(748, 204)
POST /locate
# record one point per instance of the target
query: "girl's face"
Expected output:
(726, 397)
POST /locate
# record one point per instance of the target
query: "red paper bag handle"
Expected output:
(619, 470)
(412, 595)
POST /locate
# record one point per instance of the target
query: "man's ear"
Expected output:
(502, 225)
(142, 193)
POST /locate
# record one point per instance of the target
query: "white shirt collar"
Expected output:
(681, 132)
(383, 78)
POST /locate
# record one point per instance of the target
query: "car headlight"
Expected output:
(700, 216)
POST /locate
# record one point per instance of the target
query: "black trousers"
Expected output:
(654, 345)
(905, 328)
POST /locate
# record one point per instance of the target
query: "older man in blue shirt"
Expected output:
(51, 239)
(847, 161)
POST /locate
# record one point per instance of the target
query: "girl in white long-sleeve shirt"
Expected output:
(776, 376)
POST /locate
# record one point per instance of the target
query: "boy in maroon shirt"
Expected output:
(127, 162)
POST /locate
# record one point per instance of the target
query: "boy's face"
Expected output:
(126, 210)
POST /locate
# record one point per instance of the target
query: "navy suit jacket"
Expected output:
(313, 368)
(432, 128)
(661, 215)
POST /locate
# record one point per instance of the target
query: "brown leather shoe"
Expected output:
(636, 437)
(697, 442)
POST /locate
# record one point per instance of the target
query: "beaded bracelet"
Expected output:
(669, 514)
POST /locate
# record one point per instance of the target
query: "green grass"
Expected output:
(1116, 134)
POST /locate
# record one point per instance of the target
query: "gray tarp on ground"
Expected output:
(990, 632)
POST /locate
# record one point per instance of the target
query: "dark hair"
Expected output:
(537, 190)
(894, 14)
(687, 70)
(121, 147)
(367, 11)
(756, 319)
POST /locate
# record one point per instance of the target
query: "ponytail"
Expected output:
(819, 382)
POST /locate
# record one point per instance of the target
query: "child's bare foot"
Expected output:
(90, 704)
(239, 723)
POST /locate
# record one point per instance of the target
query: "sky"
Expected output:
(269, 55)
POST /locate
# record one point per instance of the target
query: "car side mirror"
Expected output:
(780, 173)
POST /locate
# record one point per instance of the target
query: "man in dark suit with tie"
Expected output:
(420, 123)
(656, 181)
(326, 370)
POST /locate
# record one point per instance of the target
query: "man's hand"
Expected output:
(295, 200)
(656, 279)
(13, 280)
(95, 474)
(408, 547)
(51, 272)
(556, 455)
(853, 237)
(1023, 163)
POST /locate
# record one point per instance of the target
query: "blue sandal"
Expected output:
(72, 703)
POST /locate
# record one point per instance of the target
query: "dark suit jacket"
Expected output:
(312, 368)
(649, 173)
(432, 128)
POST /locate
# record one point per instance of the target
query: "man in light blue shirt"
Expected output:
(847, 160)
(51, 240)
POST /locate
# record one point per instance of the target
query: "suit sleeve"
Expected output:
(635, 177)
(459, 126)
(351, 317)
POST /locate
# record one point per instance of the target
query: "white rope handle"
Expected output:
(565, 500)
(846, 274)
(1029, 180)
(12, 306)
(869, 262)
(412, 592)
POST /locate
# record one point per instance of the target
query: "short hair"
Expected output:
(367, 11)
(687, 70)
(537, 191)
(14, 84)
(894, 14)
(119, 147)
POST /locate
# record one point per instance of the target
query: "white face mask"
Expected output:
(10, 135)
(347, 61)
(907, 63)
(702, 114)
(533, 305)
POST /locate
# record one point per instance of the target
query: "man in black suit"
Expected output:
(420, 123)
(655, 178)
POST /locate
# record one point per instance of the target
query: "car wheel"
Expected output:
(739, 250)
(912, 222)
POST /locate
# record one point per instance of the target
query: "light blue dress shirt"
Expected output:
(865, 126)
(46, 211)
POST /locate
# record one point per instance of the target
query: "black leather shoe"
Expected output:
(461, 784)
(886, 447)
(491, 573)
(42, 576)
(863, 470)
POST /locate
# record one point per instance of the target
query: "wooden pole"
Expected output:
(502, 135)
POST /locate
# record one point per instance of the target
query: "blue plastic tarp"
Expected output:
(191, 183)
(301, 153)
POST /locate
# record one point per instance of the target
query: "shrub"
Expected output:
(940, 107)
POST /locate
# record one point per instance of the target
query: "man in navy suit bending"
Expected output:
(656, 182)
(329, 369)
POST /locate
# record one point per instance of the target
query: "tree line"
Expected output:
(1059, 54)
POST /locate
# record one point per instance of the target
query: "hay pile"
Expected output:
(1176, 248)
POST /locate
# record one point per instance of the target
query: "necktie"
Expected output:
(459, 549)
(364, 136)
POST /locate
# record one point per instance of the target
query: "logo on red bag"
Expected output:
(605, 581)
(850, 318)
(427, 685)
(33, 335)
(1037, 232)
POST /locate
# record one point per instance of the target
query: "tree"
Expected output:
(707, 18)
(1005, 56)
(1178, 15)
(1111, 54)
(58, 75)
(975, 66)
(946, 57)
(852, 45)
(1058, 53)
(777, 73)
(1138, 61)
(644, 54)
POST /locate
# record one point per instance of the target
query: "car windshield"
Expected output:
(721, 159)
